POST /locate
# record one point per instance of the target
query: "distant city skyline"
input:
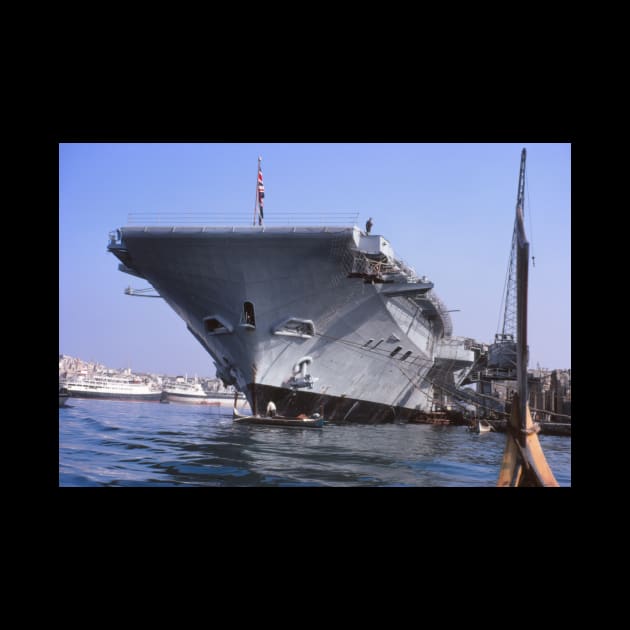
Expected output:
(72, 365)
(447, 210)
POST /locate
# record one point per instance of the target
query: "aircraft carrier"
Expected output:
(316, 318)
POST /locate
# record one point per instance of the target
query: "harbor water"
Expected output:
(113, 443)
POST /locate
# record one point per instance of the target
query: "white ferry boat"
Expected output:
(184, 390)
(113, 387)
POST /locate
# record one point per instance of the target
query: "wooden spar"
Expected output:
(524, 463)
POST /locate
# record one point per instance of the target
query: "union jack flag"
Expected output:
(260, 188)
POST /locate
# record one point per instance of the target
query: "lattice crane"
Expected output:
(502, 353)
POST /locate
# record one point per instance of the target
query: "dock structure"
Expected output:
(545, 428)
(500, 425)
(549, 393)
(436, 417)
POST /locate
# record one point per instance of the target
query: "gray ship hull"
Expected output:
(317, 319)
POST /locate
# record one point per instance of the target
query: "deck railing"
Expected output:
(272, 218)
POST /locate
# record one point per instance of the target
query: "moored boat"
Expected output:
(481, 426)
(183, 390)
(314, 422)
(132, 388)
(191, 391)
(312, 315)
(63, 396)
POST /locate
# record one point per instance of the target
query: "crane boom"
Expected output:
(509, 313)
(502, 354)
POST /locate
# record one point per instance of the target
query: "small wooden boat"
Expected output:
(316, 422)
(481, 426)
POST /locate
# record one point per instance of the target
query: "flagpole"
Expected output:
(256, 194)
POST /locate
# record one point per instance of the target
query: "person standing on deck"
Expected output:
(368, 225)
(271, 409)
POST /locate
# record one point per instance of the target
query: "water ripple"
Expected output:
(181, 445)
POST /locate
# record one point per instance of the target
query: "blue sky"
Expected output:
(447, 209)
